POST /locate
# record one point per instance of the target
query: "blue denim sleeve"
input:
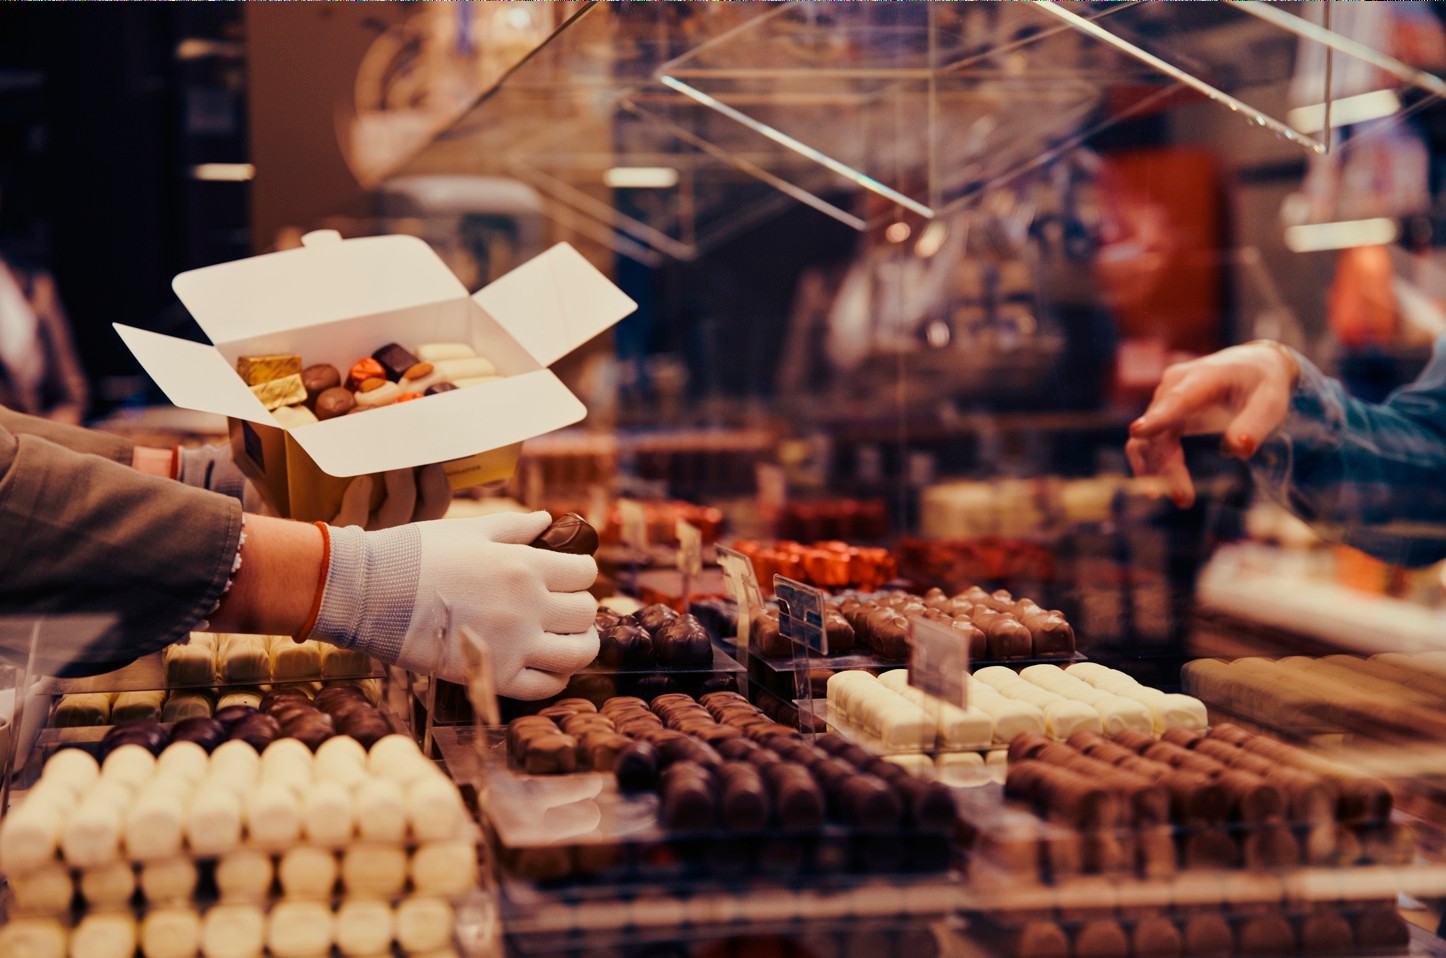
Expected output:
(1366, 474)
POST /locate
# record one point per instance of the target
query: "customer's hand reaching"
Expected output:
(1243, 392)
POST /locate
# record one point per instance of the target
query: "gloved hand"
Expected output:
(412, 495)
(403, 594)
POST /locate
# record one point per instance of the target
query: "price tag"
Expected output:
(772, 488)
(938, 661)
(800, 614)
(741, 582)
(690, 549)
(634, 524)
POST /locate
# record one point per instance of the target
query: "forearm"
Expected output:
(1354, 468)
(74, 438)
(272, 593)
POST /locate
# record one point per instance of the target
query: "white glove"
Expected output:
(412, 495)
(387, 594)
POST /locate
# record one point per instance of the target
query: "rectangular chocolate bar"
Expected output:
(286, 391)
(263, 369)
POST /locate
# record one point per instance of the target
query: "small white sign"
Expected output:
(741, 582)
(690, 549)
(634, 523)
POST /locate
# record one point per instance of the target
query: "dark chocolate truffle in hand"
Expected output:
(684, 644)
(569, 534)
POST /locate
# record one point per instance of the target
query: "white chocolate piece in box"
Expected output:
(155, 824)
(169, 880)
(273, 816)
(364, 927)
(373, 870)
(173, 932)
(468, 381)
(46, 890)
(289, 417)
(214, 819)
(444, 868)
(307, 872)
(424, 924)
(104, 935)
(108, 886)
(32, 938)
(436, 352)
(233, 931)
(244, 875)
(420, 384)
(387, 392)
(326, 811)
(468, 367)
(299, 929)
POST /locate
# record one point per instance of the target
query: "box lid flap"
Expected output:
(194, 375)
(553, 303)
(326, 280)
(443, 427)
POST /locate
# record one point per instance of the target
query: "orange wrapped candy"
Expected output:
(362, 370)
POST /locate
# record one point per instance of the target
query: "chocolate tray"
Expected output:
(838, 723)
(722, 662)
(148, 674)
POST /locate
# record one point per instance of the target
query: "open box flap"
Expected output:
(327, 279)
(554, 303)
(194, 375)
(443, 427)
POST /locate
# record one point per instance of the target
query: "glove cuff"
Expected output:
(370, 590)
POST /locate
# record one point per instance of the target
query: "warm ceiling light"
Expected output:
(897, 232)
(640, 178)
(1314, 237)
(223, 172)
(932, 239)
(1345, 111)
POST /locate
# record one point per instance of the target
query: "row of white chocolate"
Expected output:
(1167, 710)
(1072, 701)
(143, 808)
(420, 925)
(234, 658)
(442, 868)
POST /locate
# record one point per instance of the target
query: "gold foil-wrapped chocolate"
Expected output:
(286, 391)
(264, 369)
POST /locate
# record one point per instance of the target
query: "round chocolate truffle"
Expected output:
(148, 734)
(205, 732)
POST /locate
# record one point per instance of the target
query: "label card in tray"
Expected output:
(938, 661)
(800, 614)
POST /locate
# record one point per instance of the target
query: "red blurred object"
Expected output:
(952, 564)
(810, 520)
(830, 564)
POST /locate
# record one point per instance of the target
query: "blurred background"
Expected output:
(921, 263)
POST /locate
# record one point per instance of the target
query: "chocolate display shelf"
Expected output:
(561, 829)
(838, 723)
(147, 674)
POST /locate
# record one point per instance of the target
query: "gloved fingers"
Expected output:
(355, 503)
(401, 499)
(531, 684)
(564, 653)
(515, 527)
(434, 493)
(565, 573)
(568, 612)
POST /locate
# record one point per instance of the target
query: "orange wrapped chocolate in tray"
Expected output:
(828, 565)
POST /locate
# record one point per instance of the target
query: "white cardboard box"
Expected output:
(336, 301)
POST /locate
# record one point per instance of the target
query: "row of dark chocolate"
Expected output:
(288, 712)
(654, 636)
(996, 625)
(1323, 932)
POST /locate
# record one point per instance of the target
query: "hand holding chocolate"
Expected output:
(390, 375)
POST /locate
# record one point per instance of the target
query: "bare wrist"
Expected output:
(1292, 365)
